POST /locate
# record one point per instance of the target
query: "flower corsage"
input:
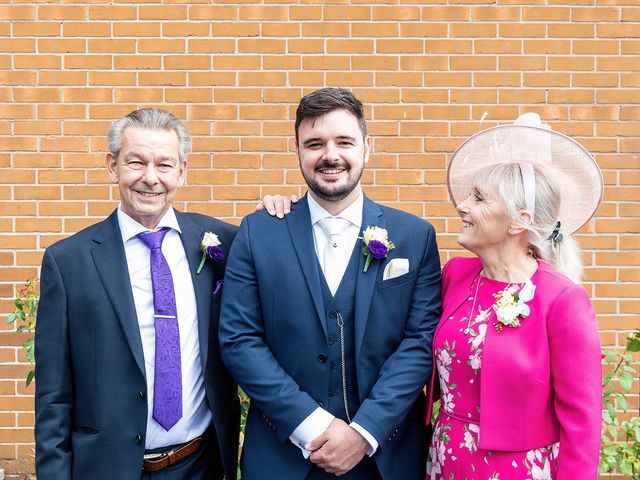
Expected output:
(210, 247)
(376, 245)
(510, 306)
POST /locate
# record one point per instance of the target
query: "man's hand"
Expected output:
(277, 205)
(338, 449)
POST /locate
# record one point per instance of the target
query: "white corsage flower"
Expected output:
(510, 306)
(210, 239)
(210, 247)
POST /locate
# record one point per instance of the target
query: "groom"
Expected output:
(333, 346)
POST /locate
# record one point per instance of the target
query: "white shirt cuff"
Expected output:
(311, 427)
(367, 436)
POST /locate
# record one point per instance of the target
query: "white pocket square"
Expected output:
(395, 268)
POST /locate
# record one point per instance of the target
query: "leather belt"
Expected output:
(153, 462)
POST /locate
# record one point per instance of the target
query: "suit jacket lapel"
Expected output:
(300, 229)
(202, 282)
(111, 263)
(372, 215)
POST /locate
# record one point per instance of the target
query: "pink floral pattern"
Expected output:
(454, 452)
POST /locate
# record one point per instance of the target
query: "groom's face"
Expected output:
(332, 152)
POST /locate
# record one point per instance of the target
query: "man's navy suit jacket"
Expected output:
(273, 336)
(91, 405)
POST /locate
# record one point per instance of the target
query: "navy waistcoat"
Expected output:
(342, 303)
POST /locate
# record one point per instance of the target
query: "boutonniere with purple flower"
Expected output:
(376, 245)
(510, 306)
(211, 249)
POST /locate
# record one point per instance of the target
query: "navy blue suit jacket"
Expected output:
(272, 333)
(91, 406)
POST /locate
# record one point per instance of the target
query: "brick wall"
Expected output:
(235, 71)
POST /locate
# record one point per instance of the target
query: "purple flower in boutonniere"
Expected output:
(376, 245)
(211, 249)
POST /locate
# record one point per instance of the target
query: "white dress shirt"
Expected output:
(316, 423)
(196, 415)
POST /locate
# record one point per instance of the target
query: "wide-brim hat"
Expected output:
(568, 163)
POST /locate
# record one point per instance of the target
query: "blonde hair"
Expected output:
(562, 251)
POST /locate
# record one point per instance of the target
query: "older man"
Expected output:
(129, 380)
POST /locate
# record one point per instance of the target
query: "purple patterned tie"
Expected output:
(167, 390)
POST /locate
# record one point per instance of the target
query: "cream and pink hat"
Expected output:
(527, 142)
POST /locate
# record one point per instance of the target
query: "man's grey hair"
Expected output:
(153, 119)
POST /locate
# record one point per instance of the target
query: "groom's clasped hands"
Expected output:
(338, 449)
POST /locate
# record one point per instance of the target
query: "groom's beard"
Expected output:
(335, 191)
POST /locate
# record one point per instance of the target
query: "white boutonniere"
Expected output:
(376, 245)
(510, 306)
(211, 249)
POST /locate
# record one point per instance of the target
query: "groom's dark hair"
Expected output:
(319, 103)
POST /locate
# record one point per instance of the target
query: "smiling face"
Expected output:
(148, 172)
(485, 221)
(332, 152)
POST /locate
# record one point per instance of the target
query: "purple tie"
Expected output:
(167, 390)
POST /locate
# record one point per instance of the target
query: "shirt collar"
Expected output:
(129, 228)
(353, 212)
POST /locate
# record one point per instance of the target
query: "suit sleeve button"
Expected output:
(138, 438)
(322, 358)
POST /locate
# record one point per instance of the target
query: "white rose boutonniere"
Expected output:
(510, 306)
(210, 247)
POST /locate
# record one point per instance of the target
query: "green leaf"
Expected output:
(32, 304)
(22, 328)
(625, 468)
(622, 403)
(12, 317)
(626, 381)
(633, 345)
(30, 376)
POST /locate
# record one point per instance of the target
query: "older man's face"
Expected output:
(148, 171)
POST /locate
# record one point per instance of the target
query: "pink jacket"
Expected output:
(540, 383)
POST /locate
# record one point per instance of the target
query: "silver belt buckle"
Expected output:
(153, 456)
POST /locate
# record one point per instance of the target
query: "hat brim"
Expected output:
(573, 169)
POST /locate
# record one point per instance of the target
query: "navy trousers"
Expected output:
(365, 470)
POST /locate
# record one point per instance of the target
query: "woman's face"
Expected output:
(485, 221)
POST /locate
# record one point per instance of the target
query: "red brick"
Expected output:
(235, 71)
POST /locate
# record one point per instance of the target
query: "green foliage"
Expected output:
(620, 448)
(26, 309)
(633, 342)
(244, 409)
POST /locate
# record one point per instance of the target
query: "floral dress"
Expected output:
(454, 453)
